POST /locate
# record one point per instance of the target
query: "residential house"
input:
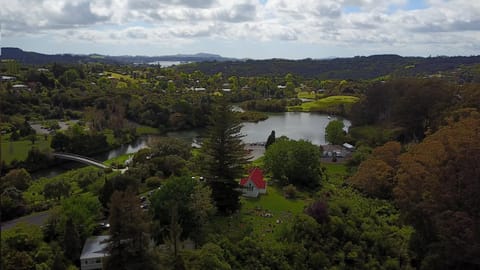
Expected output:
(254, 184)
(94, 252)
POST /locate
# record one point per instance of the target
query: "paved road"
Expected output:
(36, 219)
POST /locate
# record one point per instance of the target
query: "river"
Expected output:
(295, 125)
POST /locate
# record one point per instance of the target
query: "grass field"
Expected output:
(18, 150)
(324, 104)
(306, 94)
(126, 78)
(146, 130)
(270, 212)
(118, 160)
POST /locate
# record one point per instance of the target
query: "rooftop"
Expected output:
(256, 176)
(95, 246)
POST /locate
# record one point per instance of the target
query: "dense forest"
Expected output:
(406, 198)
(356, 68)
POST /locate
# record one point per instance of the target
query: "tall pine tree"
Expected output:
(224, 157)
(71, 241)
(129, 241)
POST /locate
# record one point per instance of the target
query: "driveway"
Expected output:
(35, 219)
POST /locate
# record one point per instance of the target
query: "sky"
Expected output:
(258, 29)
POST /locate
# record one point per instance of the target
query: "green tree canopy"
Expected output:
(334, 132)
(294, 162)
(18, 178)
(193, 202)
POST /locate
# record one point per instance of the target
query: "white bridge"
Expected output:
(81, 159)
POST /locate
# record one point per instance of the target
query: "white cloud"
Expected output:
(442, 25)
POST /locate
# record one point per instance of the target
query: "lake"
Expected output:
(295, 125)
(168, 63)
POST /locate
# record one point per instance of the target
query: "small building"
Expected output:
(254, 184)
(20, 87)
(7, 78)
(199, 89)
(94, 252)
(348, 146)
(335, 151)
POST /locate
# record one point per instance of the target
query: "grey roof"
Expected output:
(95, 247)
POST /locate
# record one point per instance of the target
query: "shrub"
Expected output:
(319, 211)
(290, 192)
(153, 182)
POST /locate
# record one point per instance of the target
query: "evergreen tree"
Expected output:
(224, 156)
(270, 139)
(71, 241)
(128, 244)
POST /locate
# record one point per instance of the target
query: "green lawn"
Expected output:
(146, 130)
(269, 213)
(324, 104)
(18, 150)
(118, 160)
(306, 94)
(126, 78)
(336, 174)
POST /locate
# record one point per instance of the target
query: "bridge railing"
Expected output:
(72, 156)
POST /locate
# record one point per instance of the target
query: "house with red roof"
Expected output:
(254, 184)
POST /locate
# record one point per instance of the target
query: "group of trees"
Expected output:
(435, 185)
(11, 187)
(57, 245)
(77, 141)
(414, 105)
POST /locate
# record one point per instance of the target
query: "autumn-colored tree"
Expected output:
(438, 191)
(375, 176)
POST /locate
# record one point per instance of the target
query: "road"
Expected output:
(36, 219)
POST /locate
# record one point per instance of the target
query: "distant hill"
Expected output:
(360, 67)
(34, 58)
(199, 57)
(41, 59)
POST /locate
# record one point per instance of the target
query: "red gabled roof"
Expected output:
(256, 176)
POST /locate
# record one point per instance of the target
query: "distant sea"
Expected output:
(168, 63)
